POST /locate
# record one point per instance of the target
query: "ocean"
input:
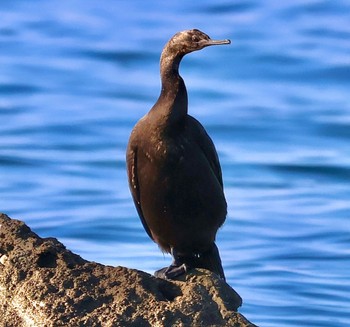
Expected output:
(76, 76)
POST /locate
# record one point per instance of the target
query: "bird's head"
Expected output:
(192, 40)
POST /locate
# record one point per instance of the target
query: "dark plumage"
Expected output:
(174, 171)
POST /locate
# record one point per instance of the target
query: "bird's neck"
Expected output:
(172, 102)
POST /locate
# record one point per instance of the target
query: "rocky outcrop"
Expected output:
(44, 284)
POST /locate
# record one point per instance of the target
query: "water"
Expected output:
(76, 76)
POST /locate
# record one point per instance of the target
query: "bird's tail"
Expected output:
(210, 260)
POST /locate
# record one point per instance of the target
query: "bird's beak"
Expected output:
(215, 42)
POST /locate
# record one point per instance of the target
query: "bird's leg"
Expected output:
(177, 268)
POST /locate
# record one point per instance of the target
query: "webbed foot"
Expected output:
(172, 271)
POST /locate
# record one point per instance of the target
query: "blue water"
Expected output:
(75, 76)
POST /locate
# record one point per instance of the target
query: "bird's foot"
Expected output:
(172, 271)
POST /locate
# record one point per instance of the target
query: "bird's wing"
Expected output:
(134, 186)
(207, 146)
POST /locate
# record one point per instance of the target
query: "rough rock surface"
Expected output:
(44, 284)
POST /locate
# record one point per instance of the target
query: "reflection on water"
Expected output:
(75, 77)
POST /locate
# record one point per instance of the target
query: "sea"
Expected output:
(75, 77)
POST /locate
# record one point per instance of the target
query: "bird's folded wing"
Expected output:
(134, 187)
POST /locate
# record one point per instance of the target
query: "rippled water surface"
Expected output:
(75, 77)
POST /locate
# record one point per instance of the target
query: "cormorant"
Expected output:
(174, 171)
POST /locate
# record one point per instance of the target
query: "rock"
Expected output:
(44, 284)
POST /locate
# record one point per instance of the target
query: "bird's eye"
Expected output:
(195, 38)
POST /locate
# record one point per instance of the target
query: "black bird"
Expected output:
(174, 171)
